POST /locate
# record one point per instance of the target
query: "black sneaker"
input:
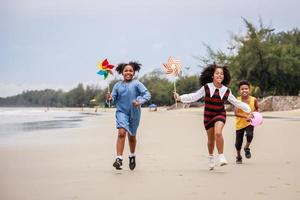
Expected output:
(247, 153)
(132, 162)
(118, 164)
(239, 160)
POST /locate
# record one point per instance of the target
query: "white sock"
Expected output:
(120, 157)
(132, 155)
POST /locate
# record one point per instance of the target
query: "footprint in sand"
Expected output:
(260, 193)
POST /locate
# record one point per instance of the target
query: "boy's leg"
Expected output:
(238, 144)
(239, 137)
(249, 136)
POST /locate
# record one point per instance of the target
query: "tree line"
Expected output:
(269, 60)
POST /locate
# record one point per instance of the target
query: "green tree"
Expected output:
(187, 84)
(270, 61)
(161, 89)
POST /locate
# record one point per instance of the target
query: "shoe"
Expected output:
(247, 153)
(239, 160)
(132, 163)
(211, 162)
(118, 164)
(222, 160)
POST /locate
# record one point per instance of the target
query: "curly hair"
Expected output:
(244, 82)
(208, 72)
(135, 65)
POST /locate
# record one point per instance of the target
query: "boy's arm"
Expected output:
(246, 116)
(255, 105)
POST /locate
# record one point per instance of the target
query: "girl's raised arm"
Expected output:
(192, 97)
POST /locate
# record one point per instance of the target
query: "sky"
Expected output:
(56, 44)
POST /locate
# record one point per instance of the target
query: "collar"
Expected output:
(212, 89)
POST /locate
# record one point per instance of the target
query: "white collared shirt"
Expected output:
(192, 97)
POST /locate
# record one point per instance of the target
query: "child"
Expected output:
(128, 96)
(242, 121)
(214, 79)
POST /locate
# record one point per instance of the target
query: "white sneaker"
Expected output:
(222, 160)
(211, 162)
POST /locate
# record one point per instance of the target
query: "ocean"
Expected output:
(28, 119)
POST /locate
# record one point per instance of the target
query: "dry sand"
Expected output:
(171, 161)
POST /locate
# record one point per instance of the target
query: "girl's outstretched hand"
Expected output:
(176, 96)
(108, 96)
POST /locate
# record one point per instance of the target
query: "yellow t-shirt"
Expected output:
(242, 122)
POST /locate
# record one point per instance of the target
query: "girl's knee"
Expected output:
(218, 134)
(122, 134)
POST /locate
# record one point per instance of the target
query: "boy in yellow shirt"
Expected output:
(242, 121)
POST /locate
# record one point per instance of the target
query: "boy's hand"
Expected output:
(108, 96)
(136, 103)
(176, 96)
(250, 116)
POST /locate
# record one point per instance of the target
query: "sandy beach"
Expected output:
(76, 163)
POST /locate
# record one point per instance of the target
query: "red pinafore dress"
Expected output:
(214, 109)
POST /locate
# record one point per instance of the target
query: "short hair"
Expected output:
(135, 65)
(208, 72)
(244, 82)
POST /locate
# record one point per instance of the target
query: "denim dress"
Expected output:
(123, 95)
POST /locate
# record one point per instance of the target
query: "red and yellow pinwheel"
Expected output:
(105, 68)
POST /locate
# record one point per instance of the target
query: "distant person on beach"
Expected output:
(214, 79)
(242, 121)
(128, 95)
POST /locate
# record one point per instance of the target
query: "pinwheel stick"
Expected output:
(108, 90)
(175, 92)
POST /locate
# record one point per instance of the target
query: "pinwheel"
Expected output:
(173, 66)
(105, 68)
